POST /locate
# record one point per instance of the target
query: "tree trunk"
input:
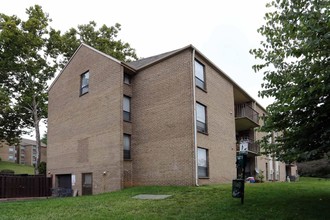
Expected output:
(36, 121)
(274, 164)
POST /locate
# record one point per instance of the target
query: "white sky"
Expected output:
(222, 30)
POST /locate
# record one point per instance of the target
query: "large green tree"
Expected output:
(103, 39)
(295, 61)
(9, 123)
(30, 54)
(25, 67)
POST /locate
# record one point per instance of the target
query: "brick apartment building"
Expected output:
(170, 119)
(23, 153)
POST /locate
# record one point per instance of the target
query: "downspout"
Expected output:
(194, 122)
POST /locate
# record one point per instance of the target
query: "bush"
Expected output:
(7, 171)
(42, 168)
(316, 168)
(260, 176)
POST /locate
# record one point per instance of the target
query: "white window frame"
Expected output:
(200, 75)
(127, 108)
(201, 118)
(203, 162)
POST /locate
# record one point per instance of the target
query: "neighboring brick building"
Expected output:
(170, 119)
(24, 153)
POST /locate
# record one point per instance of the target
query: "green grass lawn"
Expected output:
(18, 168)
(307, 199)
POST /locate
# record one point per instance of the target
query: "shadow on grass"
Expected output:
(287, 201)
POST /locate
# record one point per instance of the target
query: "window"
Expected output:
(201, 118)
(127, 108)
(202, 162)
(200, 75)
(84, 83)
(127, 146)
(127, 79)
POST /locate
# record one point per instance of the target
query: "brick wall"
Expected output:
(220, 140)
(84, 132)
(162, 120)
(4, 152)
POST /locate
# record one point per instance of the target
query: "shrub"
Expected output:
(7, 171)
(42, 168)
(260, 176)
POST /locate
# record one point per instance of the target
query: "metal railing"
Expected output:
(253, 147)
(243, 110)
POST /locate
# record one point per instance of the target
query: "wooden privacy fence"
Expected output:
(18, 186)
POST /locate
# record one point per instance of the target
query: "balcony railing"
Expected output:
(243, 110)
(253, 147)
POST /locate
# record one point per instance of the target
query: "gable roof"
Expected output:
(74, 54)
(142, 63)
(146, 62)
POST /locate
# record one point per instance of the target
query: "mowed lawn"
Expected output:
(18, 168)
(306, 199)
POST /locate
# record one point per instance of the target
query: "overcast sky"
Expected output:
(222, 30)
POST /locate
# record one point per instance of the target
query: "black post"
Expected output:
(243, 174)
(239, 184)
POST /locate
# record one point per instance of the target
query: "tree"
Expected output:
(9, 124)
(42, 168)
(30, 53)
(103, 39)
(295, 62)
(25, 68)
(44, 138)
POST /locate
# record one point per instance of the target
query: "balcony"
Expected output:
(253, 148)
(245, 117)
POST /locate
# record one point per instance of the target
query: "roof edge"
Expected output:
(227, 77)
(74, 54)
(58, 76)
(174, 52)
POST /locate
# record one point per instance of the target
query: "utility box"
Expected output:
(238, 188)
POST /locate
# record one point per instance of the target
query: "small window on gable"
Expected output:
(127, 79)
(84, 83)
(200, 75)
